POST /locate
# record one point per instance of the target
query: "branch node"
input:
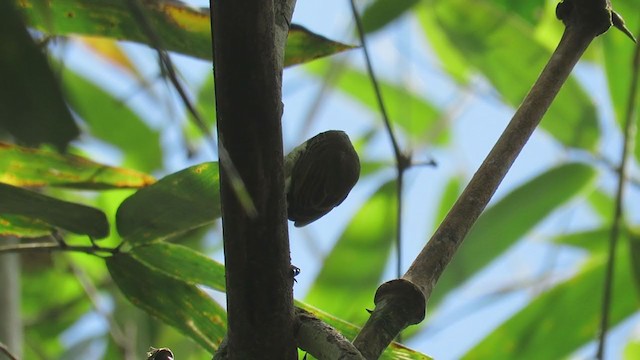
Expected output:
(592, 16)
(399, 303)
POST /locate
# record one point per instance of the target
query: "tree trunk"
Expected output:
(248, 103)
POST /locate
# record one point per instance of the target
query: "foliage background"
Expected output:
(527, 281)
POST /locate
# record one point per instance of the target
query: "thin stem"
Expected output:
(615, 168)
(402, 161)
(627, 145)
(169, 68)
(49, 247)
(117, 335)
(374, 81)
(399, 187)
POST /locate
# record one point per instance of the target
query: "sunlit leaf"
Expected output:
(34, 167)
(353, 270)
(503, 48)
(49, 313)
(176, 203)
(634, 254)
(595, 241)
(182, 263)
(602, 204)
(632, 350)
(178, 303)
(206, 106)
(382, 12)
(558, 322)
(529, 11)
(449, 196)
(110, 51)
(23, 226)
(32, 107)
(618, 58)
(304, 45)
(181, 28)
(512, 217)
(451, 59)
(76, 218)
(113, 121)
(414, 114)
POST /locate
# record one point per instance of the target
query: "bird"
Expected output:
(319, 174)
(159, 354)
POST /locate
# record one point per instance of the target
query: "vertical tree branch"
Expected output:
(248, 103)
(629, 131)
(10, 320)
(402, 160)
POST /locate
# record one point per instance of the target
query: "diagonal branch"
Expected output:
(405, 299)
(5, 350)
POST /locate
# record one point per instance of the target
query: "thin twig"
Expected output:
(627, 145)
(6, 351)
(118, 336)
(50, 247)
(403, 161)
(374, 81)
(167, 65)
(615, 168)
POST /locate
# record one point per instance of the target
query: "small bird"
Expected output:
(159, 354)
(319, 174)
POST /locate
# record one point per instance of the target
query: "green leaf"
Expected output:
(451, 59)
(113, 121)
(530, 11)
(602, 204)
(176, 203)
(352, 271)
(383, 12)
(206, 105)
(181, 263)
(393, 352)
(632, 350)
(177, 303)
(22, 166)
(76, 218)
(563, 319)
(417, 117)
(501, 225)
(304, 45)
(503, 48)
(449, 196)
(32, 107)
(634, 253)
(618, 57)
(23, 226)
(49, 312)
(181, 28)
(595, 241)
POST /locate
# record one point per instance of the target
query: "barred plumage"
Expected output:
(320, 173)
